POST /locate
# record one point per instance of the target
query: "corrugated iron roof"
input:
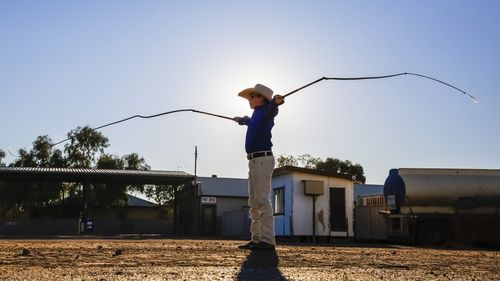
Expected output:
(291, 169)
(95, 175)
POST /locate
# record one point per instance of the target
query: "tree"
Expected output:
(329, 164)
(304, 160)
(82, 152)
(112, 194)
(26, 197)
(57, 159)
(134, 162)
(287, 160)
(108, 194)
(161, 194)
(25, 159)
(342, 167)
(84, 145)
(358, 171)
(85, 150)
(308, 161)
(42, 155)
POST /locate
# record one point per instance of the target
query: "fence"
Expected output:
(369, 224)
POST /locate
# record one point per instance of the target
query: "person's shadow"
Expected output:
(260, 265)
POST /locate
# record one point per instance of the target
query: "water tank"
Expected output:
(444, 187)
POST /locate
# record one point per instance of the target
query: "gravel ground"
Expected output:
(180, 259)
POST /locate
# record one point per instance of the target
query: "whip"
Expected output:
(152, 116)
(286, 95)
(382, 77)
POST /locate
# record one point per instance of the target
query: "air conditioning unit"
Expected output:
(312, 188)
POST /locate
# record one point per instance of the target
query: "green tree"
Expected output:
(86, 149)
(330, 164)
(334, 165)
(25, 159)
(134, 162)
(304, 160)
(307, 161)
(161, 194)
(57, 159)
(108, 194)
(83, 151)
(358, 171)
(85, 144)
(32, 198)
(342, 167)
(287, 160)
(42, 155)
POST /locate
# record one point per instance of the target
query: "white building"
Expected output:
(294, 210)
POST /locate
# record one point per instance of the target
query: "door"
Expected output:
(208, 220)
(338, 220)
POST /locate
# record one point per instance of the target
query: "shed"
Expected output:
(71, 226)
(293, 210)
(202, 212)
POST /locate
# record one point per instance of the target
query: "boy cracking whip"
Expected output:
(261, 163)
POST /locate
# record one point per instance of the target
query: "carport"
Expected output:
(89, 176)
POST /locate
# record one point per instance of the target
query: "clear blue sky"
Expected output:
(70, 63)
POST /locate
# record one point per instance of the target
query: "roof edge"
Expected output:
(290, 169)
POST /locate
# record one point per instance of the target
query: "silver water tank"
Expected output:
(443, 187)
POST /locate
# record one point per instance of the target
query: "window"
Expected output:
(279, 200)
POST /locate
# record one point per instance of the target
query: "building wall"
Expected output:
(297, 220)
(283, 223)
(228, 204)
(231, 196)
(236, 224)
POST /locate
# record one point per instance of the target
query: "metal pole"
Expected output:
(195, 159)
(314, 218)
(176, 221)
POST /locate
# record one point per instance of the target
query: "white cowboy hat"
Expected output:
(258, 89)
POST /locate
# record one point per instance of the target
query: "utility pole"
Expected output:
(195, 159)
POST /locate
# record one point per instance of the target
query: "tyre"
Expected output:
(431, 234)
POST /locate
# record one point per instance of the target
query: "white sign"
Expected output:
(208, 200)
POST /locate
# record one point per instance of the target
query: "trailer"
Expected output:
(432, 206)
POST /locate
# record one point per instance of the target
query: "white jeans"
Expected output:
(259, 189)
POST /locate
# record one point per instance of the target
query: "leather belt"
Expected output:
(251, 156)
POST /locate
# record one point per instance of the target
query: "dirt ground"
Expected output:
(182, 259)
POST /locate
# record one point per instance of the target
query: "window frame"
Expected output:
(281, 191)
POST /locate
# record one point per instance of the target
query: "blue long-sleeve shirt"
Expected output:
(258, 137)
